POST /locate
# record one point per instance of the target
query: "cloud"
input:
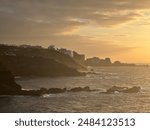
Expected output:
(53, 20)
(110, 20)
(89, 46)
(61, 15)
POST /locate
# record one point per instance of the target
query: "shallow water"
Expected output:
(104, 78)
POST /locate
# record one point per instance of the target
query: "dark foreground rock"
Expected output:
(42, 91)
(8, 85)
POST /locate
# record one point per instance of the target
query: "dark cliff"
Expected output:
(34, 61)
(34, 51)
(37, 66)
(8, 85)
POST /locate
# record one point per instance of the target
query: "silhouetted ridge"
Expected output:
(37, 61)
(96, 61)
(58, 55)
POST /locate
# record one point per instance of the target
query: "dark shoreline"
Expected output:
(8, 85)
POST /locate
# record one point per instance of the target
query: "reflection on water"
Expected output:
(104, 78)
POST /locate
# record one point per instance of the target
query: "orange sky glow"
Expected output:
(118, 29)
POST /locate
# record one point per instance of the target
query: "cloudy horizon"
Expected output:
(118, 28)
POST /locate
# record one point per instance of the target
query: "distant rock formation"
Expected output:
(96, 61)
(115, 89)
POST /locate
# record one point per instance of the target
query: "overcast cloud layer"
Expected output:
(49, 19)
(20, 17)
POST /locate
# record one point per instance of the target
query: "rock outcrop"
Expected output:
(79, 89)
(122, 90)
(37, 66)
(8, 85)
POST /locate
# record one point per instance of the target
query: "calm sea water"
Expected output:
(104, 78)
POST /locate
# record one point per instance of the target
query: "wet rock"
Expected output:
(56, 90)
(43, 90)
(133, 90)
(30, 93)
(115, 89)
(79, 89)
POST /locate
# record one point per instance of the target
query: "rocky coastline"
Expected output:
(8, 86)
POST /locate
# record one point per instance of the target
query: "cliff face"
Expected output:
(37, 62)
(7, 82)
(37, 66)
(41, 52)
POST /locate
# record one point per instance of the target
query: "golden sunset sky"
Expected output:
(119, 29)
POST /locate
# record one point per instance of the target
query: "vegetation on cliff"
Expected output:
(37, 61)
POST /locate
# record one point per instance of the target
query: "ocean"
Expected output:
(95, 101)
